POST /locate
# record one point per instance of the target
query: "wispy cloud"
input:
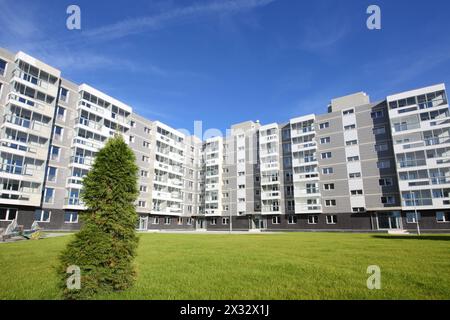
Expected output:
(404, 67)
(175, 16)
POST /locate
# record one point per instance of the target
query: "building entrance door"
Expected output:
(200, 224)
(389, 221)
(143, 223)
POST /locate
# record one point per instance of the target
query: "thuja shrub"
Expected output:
(105, 247)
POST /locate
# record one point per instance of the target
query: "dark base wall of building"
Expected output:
(346, 222)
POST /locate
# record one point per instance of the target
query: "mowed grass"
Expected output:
(259, 266)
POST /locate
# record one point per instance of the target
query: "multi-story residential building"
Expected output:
(362, 166)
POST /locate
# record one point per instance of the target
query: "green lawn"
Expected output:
(260, 266)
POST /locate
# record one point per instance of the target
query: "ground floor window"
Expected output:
(225, 221)
(167, 220)
(313, 219)
(42, 215)
(180, 221)
(155, 220)
(292, 220)
(276, 220)
(331, 219)
(70, 217)
(213, 221)
(442, 216)
(189, 221)
(8, 214)
(411, 217)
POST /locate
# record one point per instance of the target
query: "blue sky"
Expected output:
(228, 61)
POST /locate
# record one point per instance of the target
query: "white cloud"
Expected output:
(175, 16)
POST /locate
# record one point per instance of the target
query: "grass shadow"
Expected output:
(414, 237)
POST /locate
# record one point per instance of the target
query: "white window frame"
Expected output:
(72, 213)
(292, 219)
(8, 212)
(331, 219)
(411, 217)
(326, 155)
(325, 140)
(443, 214)
(275, 220)
(327, 171)
(315, 219)
(324, 125)
(329, 203)
(41, 213)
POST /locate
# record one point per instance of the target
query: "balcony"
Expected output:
(28, 103)
(39, 128)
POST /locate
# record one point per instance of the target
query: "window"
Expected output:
(324, 125)
(348, 112)
(70, 217)
(167, 220)
(146, 144)
(42, 215)
(383, 164)
(325, 140)
(241, 200)
(276, 220)
(328, 186)
(313, 219)
(8, 214)
(351, 142)
(356, 192)
(412, 217)
(144, 173)
(326, 155)
(388, 200)
(241, 173)
(61, 113)
(213, 221)
(354, 175)
(379, 130)
(155, 220)
(358, 209)
(327, 171)
(147, 130)
(49, 195)
(58, 132)
(242, 186)
(143, 188)
(386, 182)
(442, 217)
(330, 203)
(189, 221)
(2, 67)
(63, 94)
(331, 219)
(51, 174)
(377, 114)
(145, 159)
(350, 127)
(381, 147)
(132, 139)
(225, 221)
(292, 219)
(133, 124)
(142, 204)
(54, 153)
(353, 159)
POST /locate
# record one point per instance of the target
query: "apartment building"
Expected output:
(361, 166)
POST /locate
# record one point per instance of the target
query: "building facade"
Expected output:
(362, 166)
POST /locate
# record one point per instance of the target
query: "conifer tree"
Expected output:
(105, 247)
